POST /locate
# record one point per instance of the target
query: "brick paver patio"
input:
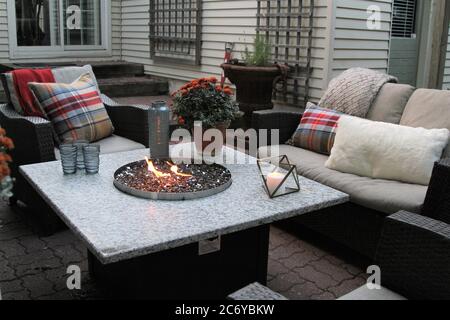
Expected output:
(33, 267)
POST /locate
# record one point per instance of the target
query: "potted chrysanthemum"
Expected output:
(6, 182)
(207, 102)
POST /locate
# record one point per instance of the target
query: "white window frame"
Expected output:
(61, 51)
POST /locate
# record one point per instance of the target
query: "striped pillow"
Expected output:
(75, 110)
(317, 129)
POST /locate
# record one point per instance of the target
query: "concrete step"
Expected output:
(116, 78)
(107, 69)
(116, 69)
(133, 87)
(142, 90)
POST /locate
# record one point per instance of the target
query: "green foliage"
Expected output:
(203, 100)
(261, 53)
(6, 186)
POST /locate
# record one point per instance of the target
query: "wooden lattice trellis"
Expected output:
(175, 30)
(288, 27)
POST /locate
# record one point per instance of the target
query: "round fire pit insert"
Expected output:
(170, 182)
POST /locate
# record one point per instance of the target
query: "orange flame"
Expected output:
(152, 169)
(159, 174)
(175, 169)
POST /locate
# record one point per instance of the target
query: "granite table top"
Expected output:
(116, 226)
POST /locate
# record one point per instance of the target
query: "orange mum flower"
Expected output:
(228, 91)
(6, 142)
(5, 157)
(4, 170)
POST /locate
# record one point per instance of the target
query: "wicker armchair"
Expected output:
(414, 250)
(34, 143)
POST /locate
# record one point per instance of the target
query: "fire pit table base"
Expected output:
(182, 273)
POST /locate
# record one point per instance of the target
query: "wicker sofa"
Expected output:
(359, 223)
(34, 143)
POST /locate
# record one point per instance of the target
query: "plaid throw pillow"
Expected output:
(75, 110)
(317, 129)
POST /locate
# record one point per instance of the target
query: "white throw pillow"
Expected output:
(70, 74)
(386, 151)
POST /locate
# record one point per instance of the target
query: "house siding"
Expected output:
(116, 29)
(4, 46)
(446, 82)
(340, 38)
(334, 50)
(223, 21)
(355, 45)
(116, 44)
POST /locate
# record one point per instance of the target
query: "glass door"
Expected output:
(37, 23)
(58, 26)
(82, 23)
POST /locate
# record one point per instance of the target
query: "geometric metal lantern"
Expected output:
(279, 176)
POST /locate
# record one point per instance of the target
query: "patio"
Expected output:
(34, 268)
(189, 149)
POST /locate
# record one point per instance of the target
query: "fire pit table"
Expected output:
(202, 248)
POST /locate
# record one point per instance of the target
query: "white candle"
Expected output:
(274, 179)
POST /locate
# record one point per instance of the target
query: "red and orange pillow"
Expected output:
(317, 129)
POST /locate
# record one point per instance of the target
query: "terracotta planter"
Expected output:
(201, 145)
(254, 85)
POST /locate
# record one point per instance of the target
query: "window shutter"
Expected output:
(404, 19)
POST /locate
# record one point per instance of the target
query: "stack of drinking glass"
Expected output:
(80, 155)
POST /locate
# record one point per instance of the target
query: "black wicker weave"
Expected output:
(34, 143)
(437, 203)
(352, 225)
(414, 256)
(285, 122)
(129, 121)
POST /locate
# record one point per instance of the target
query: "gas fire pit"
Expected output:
(163, 180)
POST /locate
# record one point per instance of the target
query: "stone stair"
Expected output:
(132, 86)
(125, 79)
(116, 69)
(115, 78)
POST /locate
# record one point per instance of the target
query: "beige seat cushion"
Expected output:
(429, 109)
(381, 195)
(113, 144)
(390, 103)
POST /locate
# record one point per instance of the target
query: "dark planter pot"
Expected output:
(202, 144)
(254, 85)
